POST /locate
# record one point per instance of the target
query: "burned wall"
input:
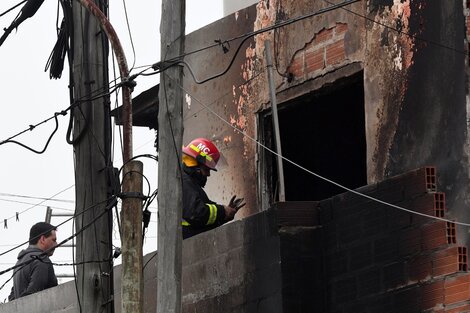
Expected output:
(214, 108)
(414, 62)
(234, 268)
(308, 55)
(415, 90)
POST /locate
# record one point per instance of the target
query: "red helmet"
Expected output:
(204, 151)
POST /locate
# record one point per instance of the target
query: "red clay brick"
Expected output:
(335, 53)
(457, 289)
(420, 181)
(451, 233)
(439, 204)
(323, 35)
(410, 241)
(314, 60)
(431, 178)
(447, 261)
(432, 294)
(431, 204)
(434, 235)
(393, 275)
(420, 268)
(297, 65)
(463, 259)
(341, 28)
(422, 204)
(413, 183)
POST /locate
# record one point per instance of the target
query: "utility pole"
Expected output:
(170, 139)
(92, 146)
(132, 282)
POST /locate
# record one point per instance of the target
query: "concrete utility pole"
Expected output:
(170, 134)
(91, 142)
(132, 284)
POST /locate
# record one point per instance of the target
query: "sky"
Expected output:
(30, 97)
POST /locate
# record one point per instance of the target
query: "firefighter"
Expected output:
(200, 214)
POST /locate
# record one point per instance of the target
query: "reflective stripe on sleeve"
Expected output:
(184, 223)
(212, 214)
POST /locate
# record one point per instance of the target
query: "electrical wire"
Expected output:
(12, 8)
(245, 37)
(148, 261)
(311, 172)
(130, 34)
(32, 127)
(75, 263)
(164, 65)
(177, 60)
(41, 205)
(44, 253)
(123, 195)
(75, 270)
(2, 194)
(38, 204)
(8, 280)
(242, 36)
(67, 220)
(47, 142)
(363, 17)
(63, 112)
(146, 213)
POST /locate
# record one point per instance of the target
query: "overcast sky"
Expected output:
(29, 97)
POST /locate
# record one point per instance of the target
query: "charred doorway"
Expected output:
(324, 132)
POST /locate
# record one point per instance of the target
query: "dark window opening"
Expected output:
(324, 132)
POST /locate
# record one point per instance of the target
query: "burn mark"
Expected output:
(398, 46)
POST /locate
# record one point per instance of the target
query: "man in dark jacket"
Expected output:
(200, 214)
(35, 272)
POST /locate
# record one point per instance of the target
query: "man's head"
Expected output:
(43, 235)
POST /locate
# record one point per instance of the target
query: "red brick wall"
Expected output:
(377, 258)
(325, 50)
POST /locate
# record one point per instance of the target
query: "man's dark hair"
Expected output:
(39, 229)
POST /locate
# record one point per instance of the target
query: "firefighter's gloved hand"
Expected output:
(229, 212)
(237, 203)
(234, 205)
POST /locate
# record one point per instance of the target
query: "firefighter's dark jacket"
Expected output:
(199, 213)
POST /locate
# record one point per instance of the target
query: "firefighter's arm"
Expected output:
(199, 213)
